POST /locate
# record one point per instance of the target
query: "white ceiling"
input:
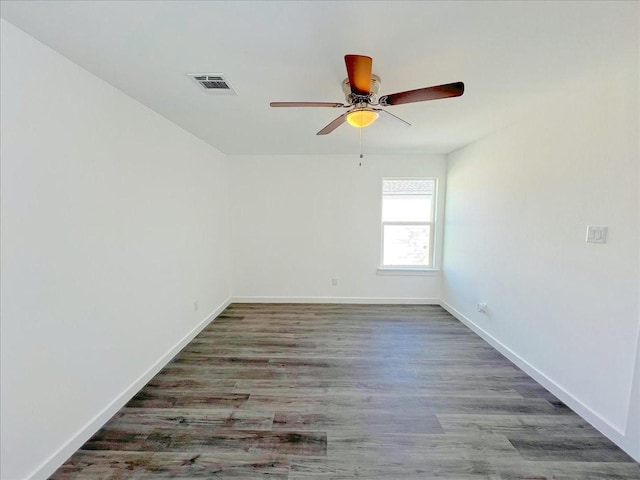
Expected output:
(510, 55)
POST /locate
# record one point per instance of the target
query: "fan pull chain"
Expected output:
(360, 164)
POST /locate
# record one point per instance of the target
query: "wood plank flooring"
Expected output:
(326, 392)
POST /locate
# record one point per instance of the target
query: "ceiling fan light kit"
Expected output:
(361, 94)
(362, 117)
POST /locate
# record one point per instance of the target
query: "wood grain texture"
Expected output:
(302, 392)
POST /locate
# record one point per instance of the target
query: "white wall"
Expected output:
(299, 221)
(113, 222)
(518, 205)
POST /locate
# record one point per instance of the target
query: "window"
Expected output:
(408, 206)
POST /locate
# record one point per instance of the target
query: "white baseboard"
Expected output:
(614, 433)
(61, 455)
(363, 300)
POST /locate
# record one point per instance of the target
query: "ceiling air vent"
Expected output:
(213, 83)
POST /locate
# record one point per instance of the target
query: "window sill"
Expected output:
(423, 272)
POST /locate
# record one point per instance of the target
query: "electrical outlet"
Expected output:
(482, 308)
(334, 282)
(195, 305)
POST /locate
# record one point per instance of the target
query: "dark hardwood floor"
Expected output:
(304, 392)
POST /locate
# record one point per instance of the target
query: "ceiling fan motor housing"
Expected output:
(352, 99)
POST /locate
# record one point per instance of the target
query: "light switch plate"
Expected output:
(596, 234)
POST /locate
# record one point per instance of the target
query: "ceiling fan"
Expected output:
(361, 94)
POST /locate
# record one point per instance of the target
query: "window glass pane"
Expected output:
(406, 208)
(406, 245)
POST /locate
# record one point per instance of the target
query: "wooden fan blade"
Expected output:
(333, 125)
(307, 104)
(391, 115)
(424, 94)
(359, 72)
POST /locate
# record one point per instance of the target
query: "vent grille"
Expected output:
(213, 83)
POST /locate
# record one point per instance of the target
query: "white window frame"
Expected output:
(410, 269)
